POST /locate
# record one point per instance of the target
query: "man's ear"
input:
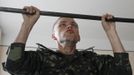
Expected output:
(53, 37)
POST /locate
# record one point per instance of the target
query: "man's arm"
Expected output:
(17, 48)
(110, 29)
(29, 21)
(119, 65)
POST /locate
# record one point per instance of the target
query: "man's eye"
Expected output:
(75, 25)
(61, 25)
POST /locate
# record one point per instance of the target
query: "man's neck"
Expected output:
(67, 48)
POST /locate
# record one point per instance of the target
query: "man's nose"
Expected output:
(69, 26)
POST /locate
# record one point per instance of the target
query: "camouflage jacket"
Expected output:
(48, 62)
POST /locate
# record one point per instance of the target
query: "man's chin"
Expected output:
(69, 40)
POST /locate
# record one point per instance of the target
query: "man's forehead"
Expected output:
(63, 20)
(66, 19)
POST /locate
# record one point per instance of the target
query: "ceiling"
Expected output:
(91, 31)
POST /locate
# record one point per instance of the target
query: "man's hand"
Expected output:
(31, 19)
(108, 26)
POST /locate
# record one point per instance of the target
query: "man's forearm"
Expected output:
(24, 33)
(115, 41)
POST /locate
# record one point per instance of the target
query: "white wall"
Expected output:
(91, 31)
(0, 52)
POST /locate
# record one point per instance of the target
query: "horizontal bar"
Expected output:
(61, 14)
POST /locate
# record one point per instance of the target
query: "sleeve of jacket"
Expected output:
(117, 65)
(22, 62)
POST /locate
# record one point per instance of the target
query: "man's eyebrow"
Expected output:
(74, 22)
(63, 21)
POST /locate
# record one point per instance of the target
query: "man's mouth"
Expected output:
(70, 31)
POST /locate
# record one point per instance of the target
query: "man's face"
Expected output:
(66, 29)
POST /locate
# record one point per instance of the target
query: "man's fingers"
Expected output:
(35, 9)
(30, 9)
(103, 17)
(26, 8)
(106, 17)
(109, 16)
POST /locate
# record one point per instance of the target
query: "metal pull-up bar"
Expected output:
(61, 14)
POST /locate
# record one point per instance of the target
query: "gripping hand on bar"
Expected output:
(61, 14)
